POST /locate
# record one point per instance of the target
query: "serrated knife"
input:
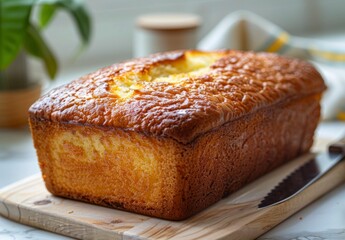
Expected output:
(305, 175)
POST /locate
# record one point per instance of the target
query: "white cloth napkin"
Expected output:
(247, 31)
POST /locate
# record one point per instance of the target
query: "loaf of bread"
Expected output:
(171, 134)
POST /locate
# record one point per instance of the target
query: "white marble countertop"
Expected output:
(324, 219)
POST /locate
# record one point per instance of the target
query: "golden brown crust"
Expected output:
(169, 135)
(236, 84)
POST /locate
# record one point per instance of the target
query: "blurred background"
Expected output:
(113, 25)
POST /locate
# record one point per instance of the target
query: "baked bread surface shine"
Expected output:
(180, 94)
(171, 134)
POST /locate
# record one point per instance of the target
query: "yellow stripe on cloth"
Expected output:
(281, 40)
(341, 116)
(330, 56)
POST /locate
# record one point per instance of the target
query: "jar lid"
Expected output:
(168, 21)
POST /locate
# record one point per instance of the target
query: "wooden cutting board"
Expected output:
(235, 217)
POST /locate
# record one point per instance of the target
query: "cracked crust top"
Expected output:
(179, 94)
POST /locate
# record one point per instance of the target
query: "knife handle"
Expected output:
(338, 147)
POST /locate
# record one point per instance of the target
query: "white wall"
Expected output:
(114, 23)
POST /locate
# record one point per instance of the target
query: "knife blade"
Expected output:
(305, 175)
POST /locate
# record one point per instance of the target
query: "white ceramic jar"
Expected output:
(165, 32)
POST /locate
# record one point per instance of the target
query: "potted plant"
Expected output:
(20, 35)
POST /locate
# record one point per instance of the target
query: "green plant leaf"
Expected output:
(78, 13)
(80, 16)
(45, 14)
(15, 29)
(14, 18)
(35, 45)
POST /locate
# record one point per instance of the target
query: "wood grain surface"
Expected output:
(234, 217)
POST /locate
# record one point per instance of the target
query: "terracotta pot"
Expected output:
(14, 105)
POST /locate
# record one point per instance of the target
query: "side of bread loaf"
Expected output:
(154, 148)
